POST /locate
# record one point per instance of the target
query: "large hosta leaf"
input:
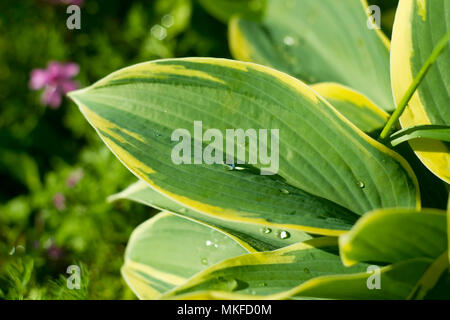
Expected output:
(356, 107)
(260, 238)
(323, 158)
(166, 250)
(310, 270)
(397, 281)
(419, 25)
(318, 41)
(393, 235)
(269, 273)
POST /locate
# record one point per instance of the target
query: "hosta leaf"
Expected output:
(269, 273)
(318, 41)
(357, 108)
(260, 238)
(441, 290)
(166, 250)
(431, 277)
(441, 133)
(393, 235)
(136, 110)
(419, 25)
(397, 281)
(433, 191)
(224, 9)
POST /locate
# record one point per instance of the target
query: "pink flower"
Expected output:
(66, 2)
(59, 201)
(54, 252)
(56, 81)
(74, 178)
(75, 2)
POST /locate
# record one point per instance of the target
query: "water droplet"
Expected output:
(361, 184)
(284, 191)
(158, 32)
(230, 167)
(306, 270)
(204, 261)
(262, 284)
(13, 250)
(208, 243)
(216, 245)
(266, 230)
(252, 292)
(283, 234)
(167, 21)
(182, 210)
(289, 41)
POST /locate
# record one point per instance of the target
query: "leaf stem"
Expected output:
(414, 85)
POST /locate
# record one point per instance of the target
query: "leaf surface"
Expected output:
(418, 27)
(329, 172)
(166, 250)
(318, 41)
(394, 235)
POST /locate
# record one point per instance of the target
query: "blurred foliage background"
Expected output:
(55, 173)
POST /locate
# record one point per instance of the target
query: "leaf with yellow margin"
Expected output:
(418, 27)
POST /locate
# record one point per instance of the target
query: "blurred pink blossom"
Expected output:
(54, 252)
(76, 2)
(74, 178)
(59, 201)
(66, 2)
(56, 81)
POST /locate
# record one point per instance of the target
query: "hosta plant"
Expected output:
(341, 216)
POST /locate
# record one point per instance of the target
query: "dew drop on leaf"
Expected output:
(283, 234)
(266, 230)
(361, 184)
(289, 41)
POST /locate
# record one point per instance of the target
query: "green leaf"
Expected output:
(433, 191)
(421, 132)
(268, 273)
(318, 41)
(394, 235)
(431, 277)
(418, 27)
(166, 250)
(397, 282)
(224, 9)
(260, 238)
(356, 107)
(323, 158)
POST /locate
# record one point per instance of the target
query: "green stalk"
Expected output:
(414, 85)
